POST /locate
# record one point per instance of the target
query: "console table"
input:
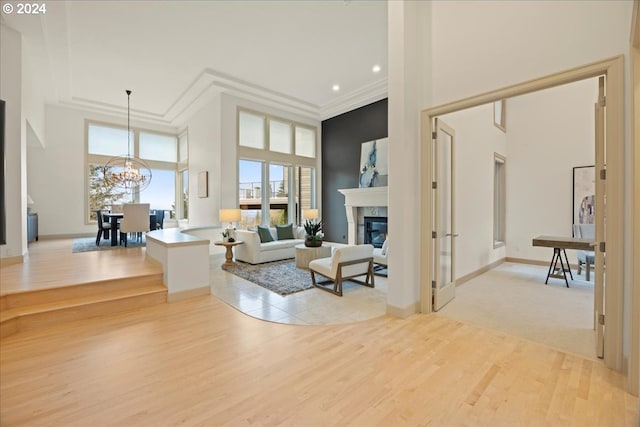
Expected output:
(559, 245)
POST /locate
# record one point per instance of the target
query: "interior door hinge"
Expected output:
(434, 185)
(434, 234)
(602, 101)
(434, 135)
(603, 174)
(433, 283)
(602, 247)
(601, 319)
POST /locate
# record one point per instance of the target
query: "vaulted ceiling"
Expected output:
(174, 55)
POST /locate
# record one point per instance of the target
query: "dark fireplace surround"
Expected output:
(375, 230)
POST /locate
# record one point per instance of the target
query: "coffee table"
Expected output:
(304, 254)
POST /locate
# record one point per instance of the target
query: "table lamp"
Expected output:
(230, 216)
(310, 214)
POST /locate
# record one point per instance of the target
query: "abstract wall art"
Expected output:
(373, 163)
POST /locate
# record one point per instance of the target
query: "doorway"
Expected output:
(613, 70)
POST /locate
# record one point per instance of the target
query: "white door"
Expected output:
(443, 284)
(599, 273)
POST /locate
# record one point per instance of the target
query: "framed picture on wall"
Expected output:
(203, 184)
(584, 194)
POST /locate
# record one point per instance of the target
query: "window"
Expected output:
(159, 150)
(277, 159)
(182, 208)
(499, 200)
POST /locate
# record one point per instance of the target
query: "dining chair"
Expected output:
(160, 219)
(104, 227)
(135, 220)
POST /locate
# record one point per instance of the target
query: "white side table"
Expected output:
(304, 254)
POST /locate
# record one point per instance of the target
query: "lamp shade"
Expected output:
(310, 214)
(230, 215)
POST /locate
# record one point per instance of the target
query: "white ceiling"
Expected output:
(174, 55)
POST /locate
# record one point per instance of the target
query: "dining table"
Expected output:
(114, 217)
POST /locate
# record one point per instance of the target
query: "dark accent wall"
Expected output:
(342, 137)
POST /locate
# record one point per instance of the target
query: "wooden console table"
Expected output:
(559, 245)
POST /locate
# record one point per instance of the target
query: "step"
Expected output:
(63, 293)
(41, 315)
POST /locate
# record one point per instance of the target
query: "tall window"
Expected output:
(499, 200)
(159, 150)
(276, 168)
(182, 208)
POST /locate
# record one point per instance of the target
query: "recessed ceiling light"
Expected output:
(336, 88)
(376, 69)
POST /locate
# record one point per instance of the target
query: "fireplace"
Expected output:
(375, 230)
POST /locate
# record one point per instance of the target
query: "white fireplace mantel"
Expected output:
(361, 197)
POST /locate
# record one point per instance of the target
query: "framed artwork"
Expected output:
(373, 163)
(584, 194)
(203, 184)
(500, 115)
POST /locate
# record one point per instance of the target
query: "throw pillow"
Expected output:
(265, 234)
(285, 231)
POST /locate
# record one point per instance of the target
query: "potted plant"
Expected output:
(314, 233)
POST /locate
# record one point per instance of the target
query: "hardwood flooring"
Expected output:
(200, 362)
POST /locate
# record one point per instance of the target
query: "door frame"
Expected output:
(613, 69)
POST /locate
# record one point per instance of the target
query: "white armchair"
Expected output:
(135, 220)
(345, 263)
(380, 258)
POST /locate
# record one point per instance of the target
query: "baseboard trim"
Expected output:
(478, 272)
(189, 293)
(403, 312)
(535, 262)
(12, 260)
(526, 261)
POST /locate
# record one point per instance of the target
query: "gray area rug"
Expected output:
(281, 277)
(88, 244)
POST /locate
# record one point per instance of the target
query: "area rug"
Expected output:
(88, 244)
(281, 277)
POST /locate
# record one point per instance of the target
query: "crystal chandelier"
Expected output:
(126, 171)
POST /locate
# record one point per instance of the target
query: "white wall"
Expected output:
(476, 141)
(480, 46)
(548, 133)
(205, 155)
(57, 171)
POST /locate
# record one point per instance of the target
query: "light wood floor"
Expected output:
(201, 362)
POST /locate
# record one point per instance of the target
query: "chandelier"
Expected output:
(128, 172)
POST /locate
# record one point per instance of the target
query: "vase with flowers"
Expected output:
(314, 234)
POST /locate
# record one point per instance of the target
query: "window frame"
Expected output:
(100, 159)
(499, 200)
(268, 157)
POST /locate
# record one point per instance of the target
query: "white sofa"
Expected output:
(255, 252)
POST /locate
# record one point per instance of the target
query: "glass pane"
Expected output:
(160, 194)
(305, 142)
(155, 146)
(445, 208)
(279, 137)
(183, 148)
(250, 192)
(251, 130)
(101, 195)
(185, 194)
(279, 194)
(108, 141)
(305, 190)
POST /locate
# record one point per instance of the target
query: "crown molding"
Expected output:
(359, 98)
